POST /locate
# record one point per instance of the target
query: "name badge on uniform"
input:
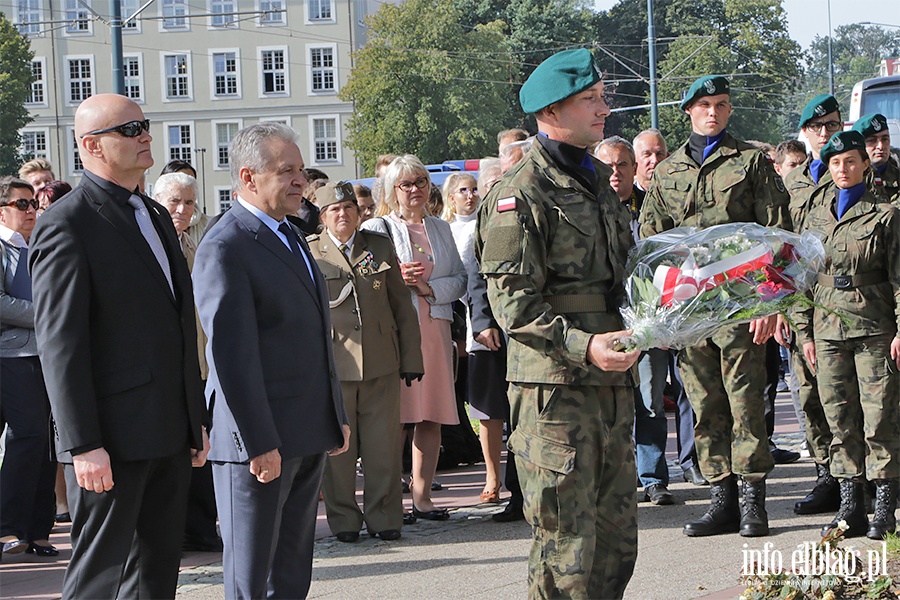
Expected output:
(506, 204)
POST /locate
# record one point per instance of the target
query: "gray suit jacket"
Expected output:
(272, 380)
(17, 337)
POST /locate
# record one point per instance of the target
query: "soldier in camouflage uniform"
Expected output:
(883, 176)
(821, 118)
(855, 349)
(552, 240)
(710, 180)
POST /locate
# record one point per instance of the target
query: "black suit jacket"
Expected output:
(119, 351)
(272, 380)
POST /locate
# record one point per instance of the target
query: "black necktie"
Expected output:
(297, 251)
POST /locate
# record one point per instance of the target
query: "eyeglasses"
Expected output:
(130, 129)
(420, 183)
(830, 126)
(468, 191)
(23, 204)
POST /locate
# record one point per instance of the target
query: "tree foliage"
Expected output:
(15, 83)
(857, 50)
(427, 85)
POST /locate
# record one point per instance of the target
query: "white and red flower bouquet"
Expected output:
(685, 284)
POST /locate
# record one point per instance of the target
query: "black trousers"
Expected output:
(28, 474)
(126, 543)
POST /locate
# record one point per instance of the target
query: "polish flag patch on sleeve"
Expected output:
(506, 204)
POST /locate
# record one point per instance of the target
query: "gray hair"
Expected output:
(524, 145)
(168, 183)
(488, 173)
(246, 148)
(654, 132)
(614, 142)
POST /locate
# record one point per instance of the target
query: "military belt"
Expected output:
(846, 282)
(581, 303)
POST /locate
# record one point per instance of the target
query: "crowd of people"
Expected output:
(318, 316)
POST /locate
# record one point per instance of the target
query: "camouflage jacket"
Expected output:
(801, 187)
(886, 185)
(865, 243)
(736, 184)
(553, 254)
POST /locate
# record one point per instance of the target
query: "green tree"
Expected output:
(15, 83)
(857, 51)
(427, 85)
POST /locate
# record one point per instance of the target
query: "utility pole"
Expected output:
(651, 44)
(118, 62)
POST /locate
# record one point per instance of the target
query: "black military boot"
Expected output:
(723, 516)
(852, 509)
(754, 520)
(825, 496)
(884, 521)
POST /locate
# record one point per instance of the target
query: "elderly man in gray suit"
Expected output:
(273, 394)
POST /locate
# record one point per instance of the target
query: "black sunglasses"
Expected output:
(130, 129)
(23, 204)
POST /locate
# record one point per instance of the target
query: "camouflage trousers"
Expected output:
(725, 377)
(858, 385)
(575, 457)
(818, 434)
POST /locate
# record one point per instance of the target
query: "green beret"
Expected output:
(562, 75)
(334, 192)
(869, 125)
(841, 142)
(819, 106)
(710, 85)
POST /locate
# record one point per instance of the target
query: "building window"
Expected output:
(28, 16)
(320, 10)
(74, 159)
(129, 7)
(220, 11)
(274, 72)
(174, 14)
(224, 133)
(225, 74)
(34, 144)
(81, 80)
(179, 139)
(282, 120)
(78, 17)
(38, 84)
(134, 87)
(225, 198)
(325, 139)
(178, 76)
(321, 69)
(272, 12)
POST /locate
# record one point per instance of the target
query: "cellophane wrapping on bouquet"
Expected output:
(686, 283)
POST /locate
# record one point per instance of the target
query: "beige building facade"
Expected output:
(201, 70)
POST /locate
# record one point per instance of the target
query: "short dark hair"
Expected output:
(176, 166)
(53, 191)
(11, 183)
(362, 190)
(313, 174)
(788, 147)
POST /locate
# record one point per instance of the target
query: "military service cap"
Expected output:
(562, 75)
(869, 125)
(710, 85)
(819, 106)
(334, 192)
(841, 142)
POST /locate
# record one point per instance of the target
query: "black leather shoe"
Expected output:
(347, 537)
(42, 550)
(64, 518)
(409, 518)
(883, 521)
(15, 547)
(658, 494)
(388, 535)
(723, 515)
(754, 519)
(438, 514)
(784, 457)
(825, 497)
(693, 475)
(202, 545)
(512, 512)
(852, 510)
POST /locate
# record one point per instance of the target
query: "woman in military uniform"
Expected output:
(856, 349)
